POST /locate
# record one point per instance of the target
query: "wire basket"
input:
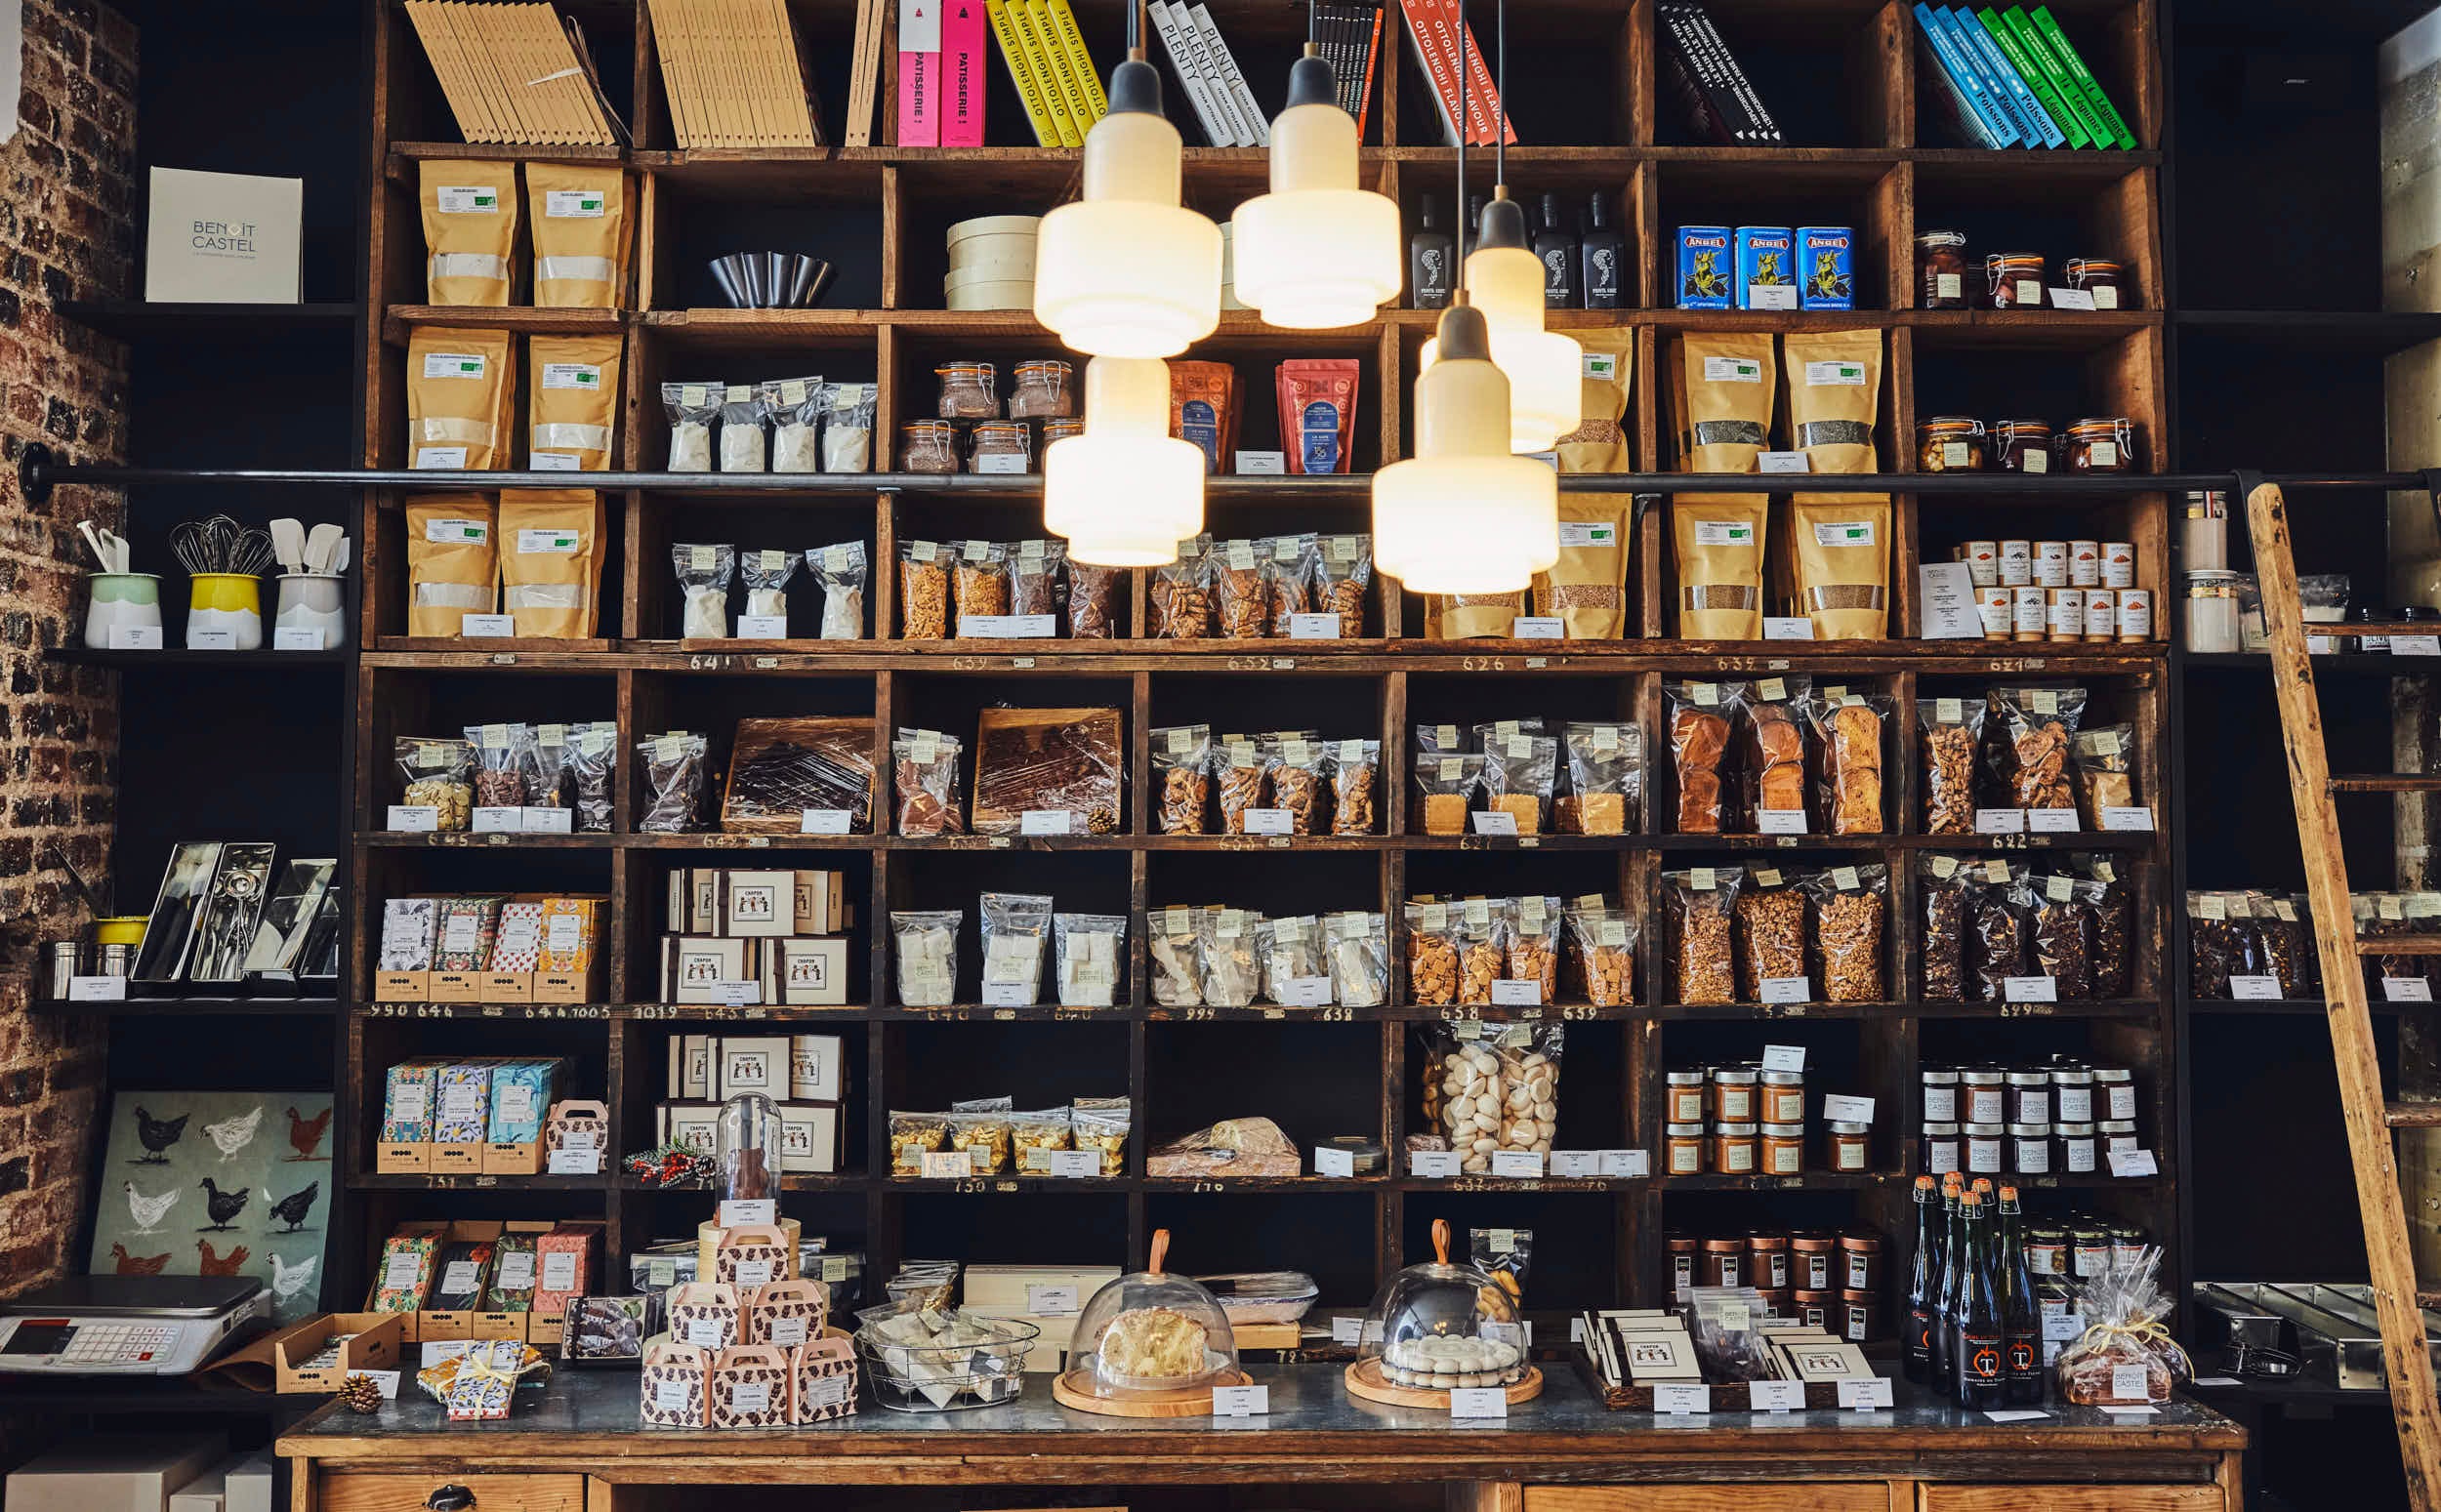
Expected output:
(920, 1362)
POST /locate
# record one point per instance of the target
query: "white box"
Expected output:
(691, 1066)
(222, 238)
(817, 1068)
(113, 1472)
(698, 968)
(821, 902)
(751, 1063)
(695, 901)
(808, 1137)
(757, 904)
(206, 1492)
(248, 1488)
(805, 972)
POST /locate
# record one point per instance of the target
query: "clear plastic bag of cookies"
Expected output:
(1772, 914)
(1016, 940)
(1601, 943)
(1344, 571)
(1530, 928)
(1241, 589)
(1035, 580)
(2126, 1341)
(1703, 906)
(912, 1135)
(1182, 762)
(1445, 789)
(1356, 947)
(1238, 769)
(2032, 763)
(1033, 1136)
(1521, 777)
(1474, 927)
(1605, 778)
(1355, 781)
(1493, 1088)
(984, 1136)
(1432, 955)
(1180, 595)
(924, 774)
(1228, 966)
(1291, 572)
(1295, 770)
(1850, 904)
(2061, 935)
(1296, 968)
(1170, 951)
(1102, 1124)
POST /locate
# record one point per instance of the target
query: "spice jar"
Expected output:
(1683, 1250)
(1856, 1316)
(928, 446)
(1042, 391)
(2078, 1148)
(1783, 1098)
(2118, 564)
(1784, 1148)
(1683, 1148)
(969, 391)
(1813, 1260)
(2051, 564)
(1733, 1151)
(2203, 535)
(1000, 446)
(2099, 444)
(1941, 270)
(2072, 1092)
(2029, 613)
(1860, 1257)
(1767, 1261)
(1940, 1096)
(2022, 445)
(2101, 277)
(1987, 1096)
(1984, 1153)
(2085, 565)
(1983, 562)
(1992, 605)
(2116, 1086)
(2014, 280)
(1950, 443)
(1734, 1095)
(2030, 1096)
(1941, 1151)
(2063, 613)
(2016, 563)
(1724, 1262)
(2101, 614)
(1847, 1146)
(1816, 1307)
(1060, 430)
(1684, 1097)
(2135, 614)
(2030, 1149)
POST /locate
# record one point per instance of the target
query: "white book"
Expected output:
(1254, 130)
(1237, 132)
(1182, 64)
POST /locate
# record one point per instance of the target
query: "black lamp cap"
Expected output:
(1463, 335)
(1136, 88)
(1504, 225)
(1311, 82)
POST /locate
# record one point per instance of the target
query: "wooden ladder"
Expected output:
(2413, 1402)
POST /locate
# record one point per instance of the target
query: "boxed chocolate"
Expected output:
(704, 1313)
(752, 1255)
(703, 969)
(461, 1104)
(821, 902)
(696, 1126)
(677, 1385)
(407, 1112)
(751, 1063)
(690, 1065)
(410, 932)
(695, 901)
(817, 1068)
(808, 1138)
(605, 1328)
(577, 1129)
(786, 1313)
(805, 972)
(749, 1387)
(823, 1380)
(757, 904)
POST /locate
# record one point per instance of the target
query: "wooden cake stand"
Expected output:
(1075, 1387)
(1366, 1381)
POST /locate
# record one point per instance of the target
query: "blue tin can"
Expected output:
(1826, 266)
(1704, 268)
(1766, 263)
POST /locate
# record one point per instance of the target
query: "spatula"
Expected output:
(323, 546)
(288, 543)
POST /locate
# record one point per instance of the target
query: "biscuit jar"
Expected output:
(1438, 1328)
(1150, 1344)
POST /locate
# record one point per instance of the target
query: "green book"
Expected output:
(2054, 71)
(2093, 88)
(2032, 73)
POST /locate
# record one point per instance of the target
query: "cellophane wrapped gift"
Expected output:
(2126, 1356)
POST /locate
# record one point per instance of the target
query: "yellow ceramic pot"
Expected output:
(124, 931)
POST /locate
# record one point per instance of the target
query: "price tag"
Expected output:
(1045, 1300)
(1775, 1396)
(1240, 1401)
(550, 820)
(1517, 991)
(2062, 1327)
(97, 989)
(1314, 627)
(753, 1273)
(1269, 821)
(1478, 1402)
(2051, 821)
(1999, 821)
(1517, 1164)
(1046, 820)
(498, 820)
(2131, 1383)
(2029, 988)
(1795, 627)
(1074, 1164)
(789, 1332)
(576, 1162)
(1261, 464)
(1862, 1394)
(740, 1211)
(1841, 1108)
(1305, 992)
(1680, 1398)
(1780, 821)
(1788, 988)
(2216, 1380)
(946, 1165)
(1784, 1057)
(134, 637)
(2400, 645)
(1537, 627)
(763, 626)
(2124, 1163)
(414, 818)
(487, 626)
(1007, 627)
(823, 821)
(2254, 988)
(1782, 461)
(1771, 296)
(1626, 1162)
(1331, 1161)
(211, 639)
(2016, 1414)
(2126, 819)
(1493, 822)
(2073, 299)
(1576, 1163)
(737, 995)
(1347, 1331)
(386, 1380)
(297, 638)
(2406, 989)
(1433, 1164)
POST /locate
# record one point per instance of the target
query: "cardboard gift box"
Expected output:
(752, 1255)
(808, 973)
(757, 904)
(700, 968)
(749, 1387)
(479, 1321)
(817, 1068)
(691, 1066)
(705, 1314)
(822, 1379)
(522, 1092)
(808, 1138)
(113, 1470)
(677, 1384)
(693, 1124)
(787, 1313)
(407, 1111)
(304, 1359)
(222, 238)
(578, 1127)
(750, 1063)
(822, 903)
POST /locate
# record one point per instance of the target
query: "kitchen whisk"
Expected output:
(221, 545)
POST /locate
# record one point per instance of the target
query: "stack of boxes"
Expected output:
(765, 936)
(804, 1075)
(491, 948)
(516, 1278)
(1048, 1296)
(476, 1117)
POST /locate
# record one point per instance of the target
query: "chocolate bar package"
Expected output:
(410, 929)
(407, 1103)
(605, 1328)
(467, 926)
(405, 1274)
(516, 1274)
(520, 1095)
(466, 1267)
(462, 1103)
(518, 939)
(567, 1258)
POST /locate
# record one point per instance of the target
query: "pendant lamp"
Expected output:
(1464, 514)
(1317, 252)
(1126, 270)
(1125, 492)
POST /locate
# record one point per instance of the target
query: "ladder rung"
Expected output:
(2401, 945)
(2388, 782)
(2412, 1115)
(2360, 631)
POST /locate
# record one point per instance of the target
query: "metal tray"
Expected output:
(2328, 1329)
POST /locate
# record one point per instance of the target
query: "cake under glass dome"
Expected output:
(1149, 1344)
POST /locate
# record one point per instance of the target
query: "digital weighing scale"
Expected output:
(127, 1325)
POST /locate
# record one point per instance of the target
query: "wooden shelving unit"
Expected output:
(880, 214)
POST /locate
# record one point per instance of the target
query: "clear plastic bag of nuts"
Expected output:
(1355, 777)
(1771, 916)
(1601, 941)
(1530, 928)
(1703, 901)
(923, 591)
(1474, 925)
(1950, 729)
(1848, 903)
(1239, 766)
(1491, 1088)
(1182, 768)
(1432, 955)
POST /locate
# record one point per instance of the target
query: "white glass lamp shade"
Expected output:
(1465, 515)
(1317, 253)
(1545, 369)
(1126, 271)
(1125, 492)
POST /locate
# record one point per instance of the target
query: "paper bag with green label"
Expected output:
(1834, 391)
(1721, 386)
(1587, 588)
(1836, 559)
(1719, 541)
(470, 231)
(579, 218)
(451, 571)
(461, 397)
(551, 560)
(1842, 562)
(573, 403)
(1600, 442)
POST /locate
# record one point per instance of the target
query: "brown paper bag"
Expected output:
(470, 230)
(1600, 442)
(1721, 386)
(461, 382)
(551, 560)
(1720, 550)
(579, 217)
(573, 405)
(1470, 616)
(1833, 380)
(1842, 559)
(1587, 588)
(451, 569)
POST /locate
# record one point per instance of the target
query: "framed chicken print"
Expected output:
(219, 1184)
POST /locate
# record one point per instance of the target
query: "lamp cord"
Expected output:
(1500, 136)
(1461, 216)
(1136, 35)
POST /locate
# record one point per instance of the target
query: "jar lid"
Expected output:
(1784, 1132)
(1683, 1077)
(1939, 1075)
(1735, 1075)
(1851, 1129)
(1766, 1239)
(1940, 1130)
(2029, 1079)
(1811, 1240)
(2113, 1074)
(928, 427)
(1982, 1077)
(1857, 1238)
(1684, 1131)
(2043, 425)
(1037, 366)
(2100, 423)
(963, 370)
(1941, 239)
(1983, 1130)
(1959, 423)
(2031, 1130)
(2117, 1126)
(1783, 1079)
(2092, 263)
(2073, 1130)
(1724, 1245)
(1734, 1131)
(1678, 1244)
(2035, 258)
(2072, 1076)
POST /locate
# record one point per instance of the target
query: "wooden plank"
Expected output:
(2072, 1499)
(2413, 1401)
(1808, 1496)
(409, 1492)
(2388, 782)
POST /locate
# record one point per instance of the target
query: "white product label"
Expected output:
(1956, 454)
(1241, 1401)
(1046, 820)
(1625, 1162)
(738, 1213)
(1493, 822)
(2254, 988)
(1784, 1057)
(2075, 299)
(492, 820)
(1347, 1331)
(515, 1104)
(787, 1330)
(295, 638)
(457, 531)
(737, 995)
(1775, 1396)
(1314, 627)
(750, 1397)
(946, 1165)
(2131, 1383)
(1841, 1108)
(1787, 989)
(487, 626)
(1045, 1300)
(402, 1271)
(1538, 627)
(438, 458)
(516, 1271)
(1782, 461)
(1844, 374)
(2029, 290)
(2051, 821)
(2406, 989)
(1576, 1163)
(560, 1271)
(2016, 1414)
(414, 818)
(1723, 532)
(211, 639)
(1863, 1394)
(1433, 1164)
(2035, 460)
(1305, 992)
(673, 1396)
(1261, 464)
(1854, 532)
(2126, 819)
(1007, 627)
(753, 1273)
(1734, 370)
(1788, 628)
(2030, 989)
(580, 204)
(1001, 462)
(134, 637)
(1949, 286)
(1478, 1402)
(1331, 1161)
(575, 1163)
(582, 376)
(1517, 991)
(823, 821)
(453, 364)
(2416, 645)
(1269, 821)
(1679, 1398)
(2124, 1163)
(458, 1276)
(1517, 1164)
(467, 200)
(97, 989)
(555, 462)
(1999, 821)
(1770, 295)
(1075, 1162)
(1780, 821)
(1585, 533)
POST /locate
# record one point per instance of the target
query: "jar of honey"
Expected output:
(1950, 443)
(2022, 445)
(2099, 444)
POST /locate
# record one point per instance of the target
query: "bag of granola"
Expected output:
(470, 230)
(1600, 442)
(1719, 559)
(1842, 563)
(1587, 588)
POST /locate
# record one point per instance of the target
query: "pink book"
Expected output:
(963, 26)
(918, 73)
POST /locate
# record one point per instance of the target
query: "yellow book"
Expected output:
(1021, 75)
(1044, 59)
(1071, 92)
(1081, 62)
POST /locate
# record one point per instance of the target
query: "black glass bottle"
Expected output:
(1945, 1303)
(2021, 1312)
(1980, 1346)
(1603, 264)
(1431, 261)
(1924, 1284)
(1558, 248)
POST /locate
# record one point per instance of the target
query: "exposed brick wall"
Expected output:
(67, 201)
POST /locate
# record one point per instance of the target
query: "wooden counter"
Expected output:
(578, 1449)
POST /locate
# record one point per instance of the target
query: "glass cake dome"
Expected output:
(1438, 1327)
(1150, 1334)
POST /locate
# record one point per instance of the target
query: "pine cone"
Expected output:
(361, 1394)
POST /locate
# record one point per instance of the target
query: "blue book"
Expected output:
(1989, 97)
(1954, 74)
(2034, 122)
